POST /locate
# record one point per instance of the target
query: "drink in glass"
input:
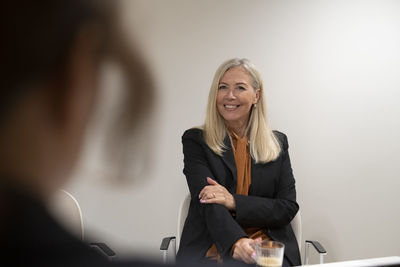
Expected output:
(269, 253)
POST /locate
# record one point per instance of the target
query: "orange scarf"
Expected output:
(243, 167)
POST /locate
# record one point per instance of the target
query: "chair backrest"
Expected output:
(67, 211)
(182, 214)
(296, 226)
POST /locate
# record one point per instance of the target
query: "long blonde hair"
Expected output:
(264, 146)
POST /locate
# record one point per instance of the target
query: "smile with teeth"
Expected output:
(231, 107)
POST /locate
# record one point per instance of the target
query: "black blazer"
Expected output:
(271, 203)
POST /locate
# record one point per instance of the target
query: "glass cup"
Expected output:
(269, 253)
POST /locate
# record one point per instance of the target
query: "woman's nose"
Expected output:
(230, 95)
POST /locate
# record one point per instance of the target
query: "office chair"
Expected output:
(182, 214)
(67, 211)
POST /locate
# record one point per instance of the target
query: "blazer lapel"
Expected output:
(229, 159)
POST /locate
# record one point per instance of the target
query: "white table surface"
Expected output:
(365, 262)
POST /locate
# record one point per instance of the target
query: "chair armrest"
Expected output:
(103, 249)
(317, 246)
(165, 246)
(165, 242)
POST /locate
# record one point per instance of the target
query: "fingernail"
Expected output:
(199, 197)
(253, 255)
(202, 201)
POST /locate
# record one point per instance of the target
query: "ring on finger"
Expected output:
(214, 195)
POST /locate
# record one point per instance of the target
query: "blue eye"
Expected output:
(222, 87)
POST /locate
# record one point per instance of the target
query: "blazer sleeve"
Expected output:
(222, 227)
(273, 212)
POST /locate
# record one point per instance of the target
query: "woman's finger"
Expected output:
(244, 251)
(208, 195)
(214, 186)
(216, 200)
(247, 253)
(241, 255)
(249, 259)
(211, 181)
(210, 189)
(236, 256)
(205, 191)
(215, 193)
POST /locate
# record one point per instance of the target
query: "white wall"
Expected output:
(331, 70)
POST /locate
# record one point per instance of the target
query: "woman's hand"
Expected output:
(243, 251)
(216, 193)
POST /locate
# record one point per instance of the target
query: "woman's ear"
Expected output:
(257, 97)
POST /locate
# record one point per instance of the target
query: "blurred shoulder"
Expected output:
(282, 139)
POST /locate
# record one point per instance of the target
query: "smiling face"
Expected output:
(235, 97)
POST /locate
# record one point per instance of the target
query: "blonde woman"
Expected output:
(238, 172)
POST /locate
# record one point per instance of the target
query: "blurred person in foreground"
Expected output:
(51, 54)
(239, 174)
